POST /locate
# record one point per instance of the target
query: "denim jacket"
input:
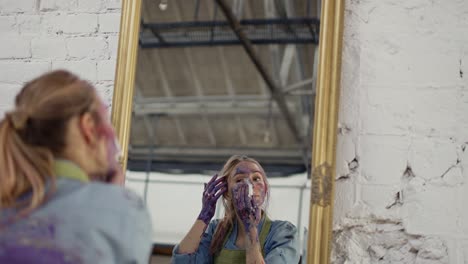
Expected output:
(81, 222)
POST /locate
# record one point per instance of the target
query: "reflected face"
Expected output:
(251, 172)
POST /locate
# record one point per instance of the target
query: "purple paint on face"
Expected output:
(112, 144)
(113, 153)
(248, 211)
(242, 170)
(252, 172)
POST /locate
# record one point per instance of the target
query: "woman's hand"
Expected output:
(116, 176)
(213, 190)
(246, 207)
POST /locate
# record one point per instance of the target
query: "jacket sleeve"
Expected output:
(202, 255)
(136, 231)
(282, 244)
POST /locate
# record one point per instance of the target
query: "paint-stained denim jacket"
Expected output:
(281, 246)
(82, 222)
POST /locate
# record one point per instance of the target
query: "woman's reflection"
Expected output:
(245, 234)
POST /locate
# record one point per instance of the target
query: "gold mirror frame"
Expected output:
(326, 114)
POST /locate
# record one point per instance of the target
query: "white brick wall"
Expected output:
(6, 23)
(17, 71)
(49, 48)
(15, 47)
(85, 68)
(8, 93)
(87, 48)
(14, 6)
(109, 22)
(404, 104)
(106, 70)
(40, 35)
(71, 24)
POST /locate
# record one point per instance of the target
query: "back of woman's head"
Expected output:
(34, 132)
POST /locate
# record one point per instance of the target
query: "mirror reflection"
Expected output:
(203, 94)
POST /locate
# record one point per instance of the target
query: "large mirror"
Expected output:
(200, 80)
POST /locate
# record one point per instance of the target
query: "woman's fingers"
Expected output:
(219, 181)
(217, 192)
(237, 192)
(223, 190)
(213, 189)
(246, 197)
(222, 179)
(212, 179)
(219, 186)
(212, 184)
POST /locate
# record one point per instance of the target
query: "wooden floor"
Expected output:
(160, 259)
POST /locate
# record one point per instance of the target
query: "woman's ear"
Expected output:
(227, 195)
(88, 128)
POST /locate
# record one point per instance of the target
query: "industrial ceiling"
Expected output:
(214, 80)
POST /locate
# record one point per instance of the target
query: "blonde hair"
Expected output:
(227, 221)
(34, 132)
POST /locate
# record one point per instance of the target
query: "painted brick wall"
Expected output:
(402, 152)
(41, 35)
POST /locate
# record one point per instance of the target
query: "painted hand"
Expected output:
(213, 190)
(247, 208)
(116, 176)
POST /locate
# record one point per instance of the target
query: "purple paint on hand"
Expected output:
(213, 190)
(247, 209)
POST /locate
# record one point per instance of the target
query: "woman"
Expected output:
(58, 158)
(245, 234)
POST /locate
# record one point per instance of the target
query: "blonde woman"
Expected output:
(57, 160)
(245, 234)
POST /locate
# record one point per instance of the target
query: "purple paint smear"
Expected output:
(213, 190)
(35, 254)
(113, 147)
(247, 208)
(34, 241)
(258, 186)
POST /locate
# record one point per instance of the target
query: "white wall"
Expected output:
(175, 202)
(40, 35)
(404, 104)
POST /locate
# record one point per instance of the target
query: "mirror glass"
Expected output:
(200, 98)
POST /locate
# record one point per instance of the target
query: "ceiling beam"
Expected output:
(231, 93)
(215, 153)
(207, 108)
(146, 119)
(229, 98)
(197, 85)
(274, 89)
(167, 91)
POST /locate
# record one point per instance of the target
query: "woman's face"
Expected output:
(109, 149)
(112, 146)
(249, 171)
